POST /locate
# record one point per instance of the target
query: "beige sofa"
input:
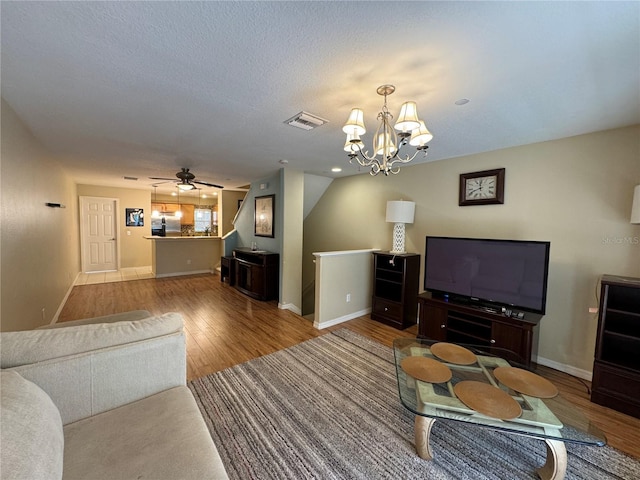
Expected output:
(102, 398)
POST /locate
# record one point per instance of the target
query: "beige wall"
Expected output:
(135, 250)
(39, 244)
(227, 209)
(574, 192)
(292, 223)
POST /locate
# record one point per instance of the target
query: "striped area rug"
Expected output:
(328, 408)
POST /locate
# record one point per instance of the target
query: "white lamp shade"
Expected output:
(385, 139)
(408, 119)
(399, 211)
(355, 123)
(353, 143)
(420, 136)
(635, 207)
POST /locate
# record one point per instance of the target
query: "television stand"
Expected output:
(504, 335)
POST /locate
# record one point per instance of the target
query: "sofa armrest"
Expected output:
(114, 317)
(123, 364)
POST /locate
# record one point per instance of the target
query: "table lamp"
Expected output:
(399, 212)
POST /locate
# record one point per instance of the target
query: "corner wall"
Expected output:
(39, 244)
(574, 192)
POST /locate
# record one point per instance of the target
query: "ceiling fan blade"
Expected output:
(161, 178)
(207, 184)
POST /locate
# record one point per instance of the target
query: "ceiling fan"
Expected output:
(186, 180)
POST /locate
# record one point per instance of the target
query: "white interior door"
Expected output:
(98, 229)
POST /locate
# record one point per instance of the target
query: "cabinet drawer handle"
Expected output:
(492, 341)
(443, 326)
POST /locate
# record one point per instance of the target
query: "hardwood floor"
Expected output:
(224, 328)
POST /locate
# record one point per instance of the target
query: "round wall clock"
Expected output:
(482, 188)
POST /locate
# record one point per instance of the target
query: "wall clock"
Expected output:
(482, 188)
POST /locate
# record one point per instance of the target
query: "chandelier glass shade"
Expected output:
(388, 140)
(185, 185)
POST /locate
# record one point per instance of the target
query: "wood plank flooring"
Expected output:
(224, 328)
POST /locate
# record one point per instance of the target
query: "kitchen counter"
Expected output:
(174, 256)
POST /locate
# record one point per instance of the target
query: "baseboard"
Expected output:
(64, 300)
(181, 274)
(576, 372)
(344, 318)
(291, 307)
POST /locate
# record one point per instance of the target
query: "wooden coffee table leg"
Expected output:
(556, 464)
(422, 429)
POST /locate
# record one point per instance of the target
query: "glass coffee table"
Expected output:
(438, 380)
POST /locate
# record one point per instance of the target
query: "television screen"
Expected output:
(510, 273)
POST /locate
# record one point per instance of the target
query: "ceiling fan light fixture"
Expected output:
(184, 186)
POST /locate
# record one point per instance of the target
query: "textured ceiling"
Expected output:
(142, 88)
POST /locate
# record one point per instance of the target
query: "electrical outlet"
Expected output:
(44, 317)
(348, 297)
(189, 262)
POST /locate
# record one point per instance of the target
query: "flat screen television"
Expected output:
(492, 273)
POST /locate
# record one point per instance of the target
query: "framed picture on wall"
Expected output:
(263, 216)
(135, 217)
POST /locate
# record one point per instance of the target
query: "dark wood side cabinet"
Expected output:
(228, 270)
(256, 273)
(616, 368)
(395, 288)
(512, 338)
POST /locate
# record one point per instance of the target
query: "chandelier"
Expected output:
(386, 142)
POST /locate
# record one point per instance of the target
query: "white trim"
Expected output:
(344, 318)
(64, 300)
(571, 370)
(291, 307)
(180, 274)
(344, 252)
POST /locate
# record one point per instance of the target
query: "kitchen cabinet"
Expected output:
(187, 210)
(187, 214)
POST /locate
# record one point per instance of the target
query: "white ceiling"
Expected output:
(142, 88)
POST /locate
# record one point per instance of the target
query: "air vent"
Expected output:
(306, 121)
(130, 178)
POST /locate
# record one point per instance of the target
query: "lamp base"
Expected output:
(398, 238)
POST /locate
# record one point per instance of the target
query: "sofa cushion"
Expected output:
(21, 348)
(160, 437)
(31, 436)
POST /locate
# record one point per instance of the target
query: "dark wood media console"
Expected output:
(461, 323)
(256, 273)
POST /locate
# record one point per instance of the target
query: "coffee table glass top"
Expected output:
(473, 393)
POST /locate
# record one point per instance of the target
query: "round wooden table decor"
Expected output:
(487, 399)
(526, 382)
(426, 369)
(452, 353)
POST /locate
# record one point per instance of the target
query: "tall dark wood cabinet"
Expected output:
(395, 288)
(616, 368)
(256, 273)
